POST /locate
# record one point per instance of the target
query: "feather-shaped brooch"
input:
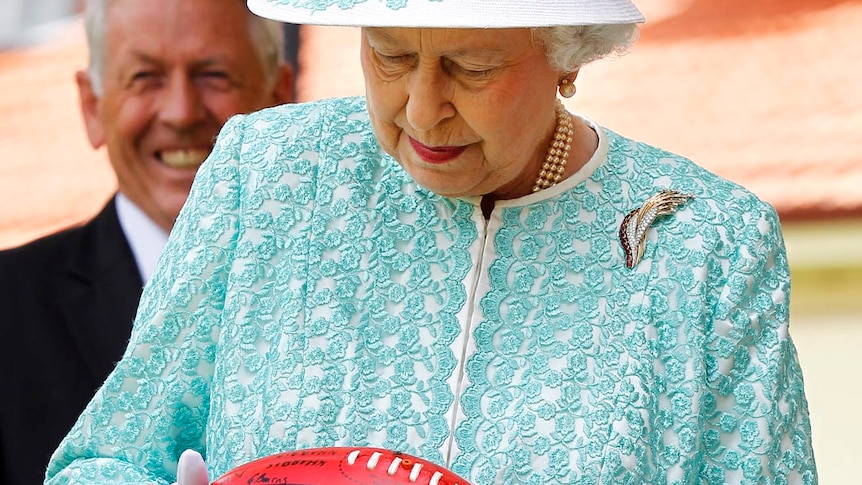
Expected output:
(636, 223)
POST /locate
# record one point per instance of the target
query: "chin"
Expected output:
(173, 208)
(446, 191)
(443, 184)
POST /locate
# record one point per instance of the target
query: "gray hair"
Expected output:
(267, 37)
(570, 47)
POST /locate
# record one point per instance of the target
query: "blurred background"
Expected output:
(766, 93)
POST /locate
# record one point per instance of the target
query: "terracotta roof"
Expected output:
(49, 176)
(765, 93)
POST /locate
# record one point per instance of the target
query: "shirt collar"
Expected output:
(146, 239)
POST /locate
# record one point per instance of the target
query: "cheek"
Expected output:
(219, 113)
(512, 130)
(387, 134)
(384, 100)
(384, 108)
(127, 120)
(489, 125)
(221, 106)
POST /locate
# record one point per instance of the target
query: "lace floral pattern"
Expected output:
(320, 5)
(312, 295)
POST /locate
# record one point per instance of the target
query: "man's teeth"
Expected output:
(184, 158)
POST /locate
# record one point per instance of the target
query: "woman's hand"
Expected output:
(191, 469)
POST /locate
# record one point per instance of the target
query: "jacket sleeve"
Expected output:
(756, 424)
(155, 403)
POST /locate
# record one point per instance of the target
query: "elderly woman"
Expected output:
(457, 267)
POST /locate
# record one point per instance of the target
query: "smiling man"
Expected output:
(164, 76)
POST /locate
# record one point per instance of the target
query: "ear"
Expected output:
(90, 109)
(283, 91)
(570, 76)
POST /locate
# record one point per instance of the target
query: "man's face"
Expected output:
(174, 72)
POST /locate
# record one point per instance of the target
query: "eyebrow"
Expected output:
(377, 32)
(198, 64)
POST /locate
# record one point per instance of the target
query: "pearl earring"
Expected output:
(567, 89)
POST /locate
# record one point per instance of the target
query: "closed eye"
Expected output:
(394, 60)
(469, 72)
(215, 74)
(475, 73)
(214, 79)
(145, 79)
(143, 75)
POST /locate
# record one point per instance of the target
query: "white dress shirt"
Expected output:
(145, 237)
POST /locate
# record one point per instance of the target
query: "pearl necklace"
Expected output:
(558, 151)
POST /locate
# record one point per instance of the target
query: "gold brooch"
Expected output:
(636, 223)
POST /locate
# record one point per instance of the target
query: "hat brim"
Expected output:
(448, 13)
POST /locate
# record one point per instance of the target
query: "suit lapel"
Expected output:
(103, 288)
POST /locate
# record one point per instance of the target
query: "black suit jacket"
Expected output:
(67, 302)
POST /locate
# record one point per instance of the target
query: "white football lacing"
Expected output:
(393, 467)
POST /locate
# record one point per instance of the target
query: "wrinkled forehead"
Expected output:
(447, 41)
(211, 25)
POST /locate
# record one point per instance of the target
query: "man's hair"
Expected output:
(267, 38)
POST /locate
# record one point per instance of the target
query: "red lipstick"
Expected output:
(441, 154)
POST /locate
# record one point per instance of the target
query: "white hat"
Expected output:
(448, 13)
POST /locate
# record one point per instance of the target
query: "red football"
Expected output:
(340, 465)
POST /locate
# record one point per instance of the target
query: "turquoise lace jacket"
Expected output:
(312, 295)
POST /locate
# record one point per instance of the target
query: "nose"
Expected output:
(182, 105)
(429, 97)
